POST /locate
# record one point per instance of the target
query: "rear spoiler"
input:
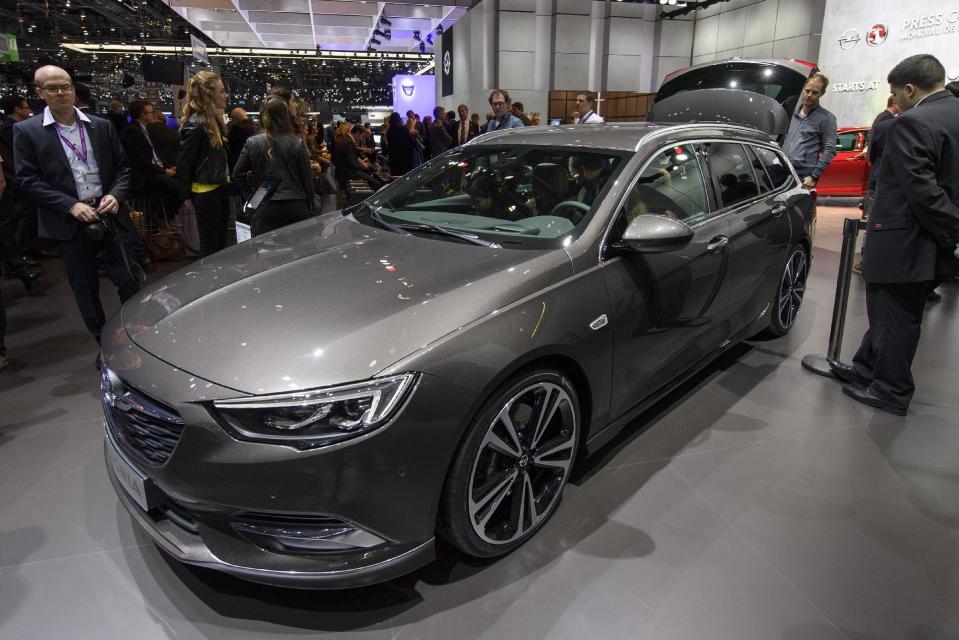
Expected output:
(728, 106)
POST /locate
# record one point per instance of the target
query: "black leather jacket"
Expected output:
(197, 161)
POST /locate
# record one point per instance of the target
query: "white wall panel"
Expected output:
(676, 38)
(704, 40)
(761, 22)
(709, 57)
(761, 50)
(732, 29)
(799, 47)
(573, 6)
(631, 37)
(516, 70)
(624, 73)
(572, 34)
(517, 31)
(517, 5)
(570, 71)
(799, 17)
(664, 66)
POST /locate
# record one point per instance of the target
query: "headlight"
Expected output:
(317, 417)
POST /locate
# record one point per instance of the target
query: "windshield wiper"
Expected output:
(407, 227)
(453, 233)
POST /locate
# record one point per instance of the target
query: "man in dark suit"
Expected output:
(12, 205)
(912, 232)
(73, 165)
(148, 175)
(440, 140)
(466, 129)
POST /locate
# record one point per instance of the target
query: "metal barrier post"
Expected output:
(816, 363)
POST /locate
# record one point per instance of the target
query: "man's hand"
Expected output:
(170, 172)
(809, 182)
(108, 204)
(84, 212)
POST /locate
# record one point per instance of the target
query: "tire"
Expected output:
(507, 477)
(789, 292)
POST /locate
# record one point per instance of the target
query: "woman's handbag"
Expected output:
(252, 207)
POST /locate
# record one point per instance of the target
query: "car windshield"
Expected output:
(771, 80)
(515, 197)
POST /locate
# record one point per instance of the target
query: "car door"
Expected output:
(758, 229)
(665, 308)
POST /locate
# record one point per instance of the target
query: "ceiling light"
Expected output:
(422, 47)
(416, 35)
(385, 21)
(374, 41)
(439, 29)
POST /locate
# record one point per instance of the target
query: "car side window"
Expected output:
(776, 167)
(846, 141)
(732, 173)
(670, 185)
(762, 178)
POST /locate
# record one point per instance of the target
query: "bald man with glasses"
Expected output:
(73, 166)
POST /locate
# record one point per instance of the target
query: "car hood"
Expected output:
(325, 301)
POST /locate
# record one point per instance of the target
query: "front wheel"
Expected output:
(789, 293)
(509, 473)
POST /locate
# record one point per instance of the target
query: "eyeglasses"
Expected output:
(58, 88)
(497, 104)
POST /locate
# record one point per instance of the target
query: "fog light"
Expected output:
(321, 535)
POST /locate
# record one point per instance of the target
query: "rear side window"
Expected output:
(762, 178)
(846, 141)
(732, 173)
(776, 167)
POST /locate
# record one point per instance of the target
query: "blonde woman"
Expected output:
(201, 160)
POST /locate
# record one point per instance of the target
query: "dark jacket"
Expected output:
(472, 130)
(44, 172)
(440, 139)
(877, 144)
(166, 141)
(6, 150)
(289, 164)
(401, 147)
(236, 137)
(913, 226)
(197, 161)
(139, 153)
(346, 160)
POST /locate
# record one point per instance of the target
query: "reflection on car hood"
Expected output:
(325, 301)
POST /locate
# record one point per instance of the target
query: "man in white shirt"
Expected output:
(73, 166)
(584, 105)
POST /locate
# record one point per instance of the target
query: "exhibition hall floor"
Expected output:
(756, 502)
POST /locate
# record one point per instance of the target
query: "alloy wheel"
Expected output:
(793, 287)
(522, 463)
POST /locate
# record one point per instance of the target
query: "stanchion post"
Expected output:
(816, 363)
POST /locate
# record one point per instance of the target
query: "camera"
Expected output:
(95, 231)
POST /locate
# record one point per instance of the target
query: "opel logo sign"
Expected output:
(877, 35)
(447, 63)
(849, 39)
(407, 87)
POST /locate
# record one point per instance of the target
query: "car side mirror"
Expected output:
(655, 234)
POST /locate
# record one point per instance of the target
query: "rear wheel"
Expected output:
(509, 473)
(789, 293)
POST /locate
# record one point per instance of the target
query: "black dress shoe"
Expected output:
(31, 282)
(848, 373)
(867, 397)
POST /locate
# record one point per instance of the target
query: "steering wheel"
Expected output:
(574, 216)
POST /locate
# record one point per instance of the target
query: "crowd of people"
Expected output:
(69, 175)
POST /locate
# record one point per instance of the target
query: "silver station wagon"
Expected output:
(313, 407)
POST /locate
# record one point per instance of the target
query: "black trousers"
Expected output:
(279, 213)
(163, 187)
(889, 345)
(3, 325)
(212, 219)
(9, 248)
(80, 259)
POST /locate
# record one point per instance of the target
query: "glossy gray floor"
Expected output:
(756, 502)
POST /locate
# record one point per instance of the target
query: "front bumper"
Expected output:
(332, 572)
(386, 485)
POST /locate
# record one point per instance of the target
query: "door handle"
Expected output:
(778, 211)
(717, 244)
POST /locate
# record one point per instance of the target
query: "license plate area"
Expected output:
(140, 488)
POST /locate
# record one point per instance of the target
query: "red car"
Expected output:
(848, 173)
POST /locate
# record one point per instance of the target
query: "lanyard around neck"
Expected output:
(82, 151)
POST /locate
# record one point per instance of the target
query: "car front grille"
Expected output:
(145, 429)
